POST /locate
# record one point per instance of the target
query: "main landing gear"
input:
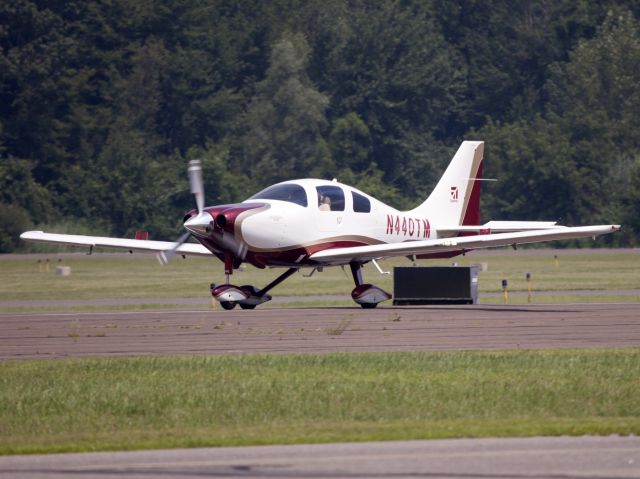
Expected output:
(248, 297)
(366, 295)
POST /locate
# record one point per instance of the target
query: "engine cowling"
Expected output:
(229, 217)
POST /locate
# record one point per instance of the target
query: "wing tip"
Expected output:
(30, 234)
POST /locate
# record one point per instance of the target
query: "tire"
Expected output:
(228, 305)
(254, 291)
(368, 305)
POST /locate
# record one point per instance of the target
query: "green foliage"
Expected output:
(19, 188)
(102, 103)
(508, 47)
(537, 178)
(286, 118)
(573, 162)
(371, 180)
(350, 142)
(596, 91)
(631, 205)
(391, 66)
(222, 182)
(13, 221)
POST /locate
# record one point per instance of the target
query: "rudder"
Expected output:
(456, 198)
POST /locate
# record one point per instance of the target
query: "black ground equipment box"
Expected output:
(435, 285)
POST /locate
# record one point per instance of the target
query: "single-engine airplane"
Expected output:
(313, 223)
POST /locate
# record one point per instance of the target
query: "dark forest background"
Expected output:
(102, 104)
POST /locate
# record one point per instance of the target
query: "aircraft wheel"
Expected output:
(228, 305)
(248, 306)
(368, 305)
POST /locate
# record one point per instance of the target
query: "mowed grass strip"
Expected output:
(139, 276)
(164, 402)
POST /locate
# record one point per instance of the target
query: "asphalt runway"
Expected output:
(313, 330)
(318, 330)
(557, 457)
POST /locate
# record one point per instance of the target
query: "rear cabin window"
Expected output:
(361, 204)
(330, 198)
(288, 192)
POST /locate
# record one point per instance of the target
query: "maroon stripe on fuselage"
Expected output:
(291, 257)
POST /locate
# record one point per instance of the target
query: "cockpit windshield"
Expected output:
(284, 192)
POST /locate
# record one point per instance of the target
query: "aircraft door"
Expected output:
(330, 208)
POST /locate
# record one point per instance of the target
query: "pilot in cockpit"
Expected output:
(324, 203)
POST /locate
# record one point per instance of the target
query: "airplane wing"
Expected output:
(459, 244)
(117, 243)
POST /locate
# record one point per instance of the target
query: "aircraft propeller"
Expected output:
(197, 189)
(197, 185)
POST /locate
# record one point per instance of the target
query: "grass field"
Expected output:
(130, 403)
(122, 276)
(158, 402)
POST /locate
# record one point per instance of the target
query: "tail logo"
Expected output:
(454, 194)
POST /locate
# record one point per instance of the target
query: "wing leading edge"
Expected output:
(117, 243)
(464, 243)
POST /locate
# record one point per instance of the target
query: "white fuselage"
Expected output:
(358, 220)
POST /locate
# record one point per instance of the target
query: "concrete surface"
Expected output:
(538, 457)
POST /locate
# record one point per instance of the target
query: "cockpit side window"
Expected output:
(287, 192)
(361, 204)
(330, 198)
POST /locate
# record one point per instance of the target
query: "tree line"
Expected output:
(103, 103)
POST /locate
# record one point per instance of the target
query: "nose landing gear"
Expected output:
(247, 296)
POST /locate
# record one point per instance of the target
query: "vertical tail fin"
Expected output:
(456, 198)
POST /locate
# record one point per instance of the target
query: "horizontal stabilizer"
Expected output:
(499, 227)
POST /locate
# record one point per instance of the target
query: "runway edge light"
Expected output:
(505, 292)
